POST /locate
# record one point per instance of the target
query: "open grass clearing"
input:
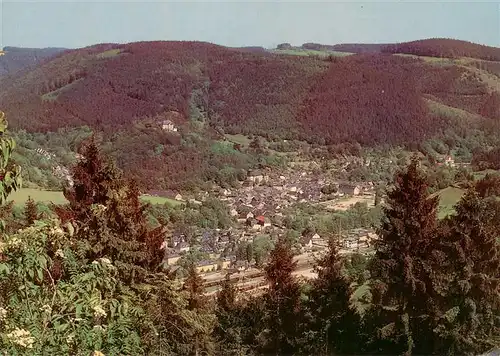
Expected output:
(51, 96)
(109, 53)
(239, 139)
(448, 198)
(21, 196)
(310, 52)
(443, 110)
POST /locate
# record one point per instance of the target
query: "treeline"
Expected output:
(445, 48)
(486, 159)
(92, 281)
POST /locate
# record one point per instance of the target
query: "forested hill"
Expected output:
(418, 91)
(331, 100)
(17, 58)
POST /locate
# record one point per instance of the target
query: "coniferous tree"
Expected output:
(110, 218)
(229, 329)
(283, 304)
(488, 186)
(199, 303)
(402, 288)
(334, 322)
(471, 318)
(30, 211)
(194, 286)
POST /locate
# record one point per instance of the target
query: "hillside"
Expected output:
(445, 47)
(112, 85)
(17, 58)
(127, 90)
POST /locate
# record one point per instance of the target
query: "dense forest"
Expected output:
(126, 91)
(91, 280)
(16, 59)
(444, 47)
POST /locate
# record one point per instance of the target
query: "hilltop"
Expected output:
(415, 93)
(17, 58)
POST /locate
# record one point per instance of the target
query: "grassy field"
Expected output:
(448, 198)
(160, 200)
(21, 196)
(310, 52)
(441, 109)
(242, 140)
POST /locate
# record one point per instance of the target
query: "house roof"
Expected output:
(305, 240)
(254, 172)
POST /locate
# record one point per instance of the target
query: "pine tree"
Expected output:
(471, 319)
(402, 288)
(334, 322)
(110, 218)
(93, 178)
(194, 286)
(30, 212)
(198, 303)
(488, 186)
(230, 324)
(283, 304)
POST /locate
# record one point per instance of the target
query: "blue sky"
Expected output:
(237, 23)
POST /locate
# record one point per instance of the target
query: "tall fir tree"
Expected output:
(110, 218)
(230, 326)
(195, 289)
(283, 318)
(402, 288)
(199, 303)
(471, 320)
(334, 322)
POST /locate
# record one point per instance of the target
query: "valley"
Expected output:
(209, 186)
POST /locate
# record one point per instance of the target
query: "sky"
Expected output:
(74, 24)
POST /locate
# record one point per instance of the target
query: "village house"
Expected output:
(306, 242)
(182, 247)
(168, 125)
(240, 265)
(449, 161)
(224, 263)
(256, 177)
(349, 189)
(206, 266)
(263, 221)
(173, 258)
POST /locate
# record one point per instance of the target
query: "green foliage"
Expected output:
(10, 175)
(89, 281)
(87, 310)
(335, 324)
(401, 270)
